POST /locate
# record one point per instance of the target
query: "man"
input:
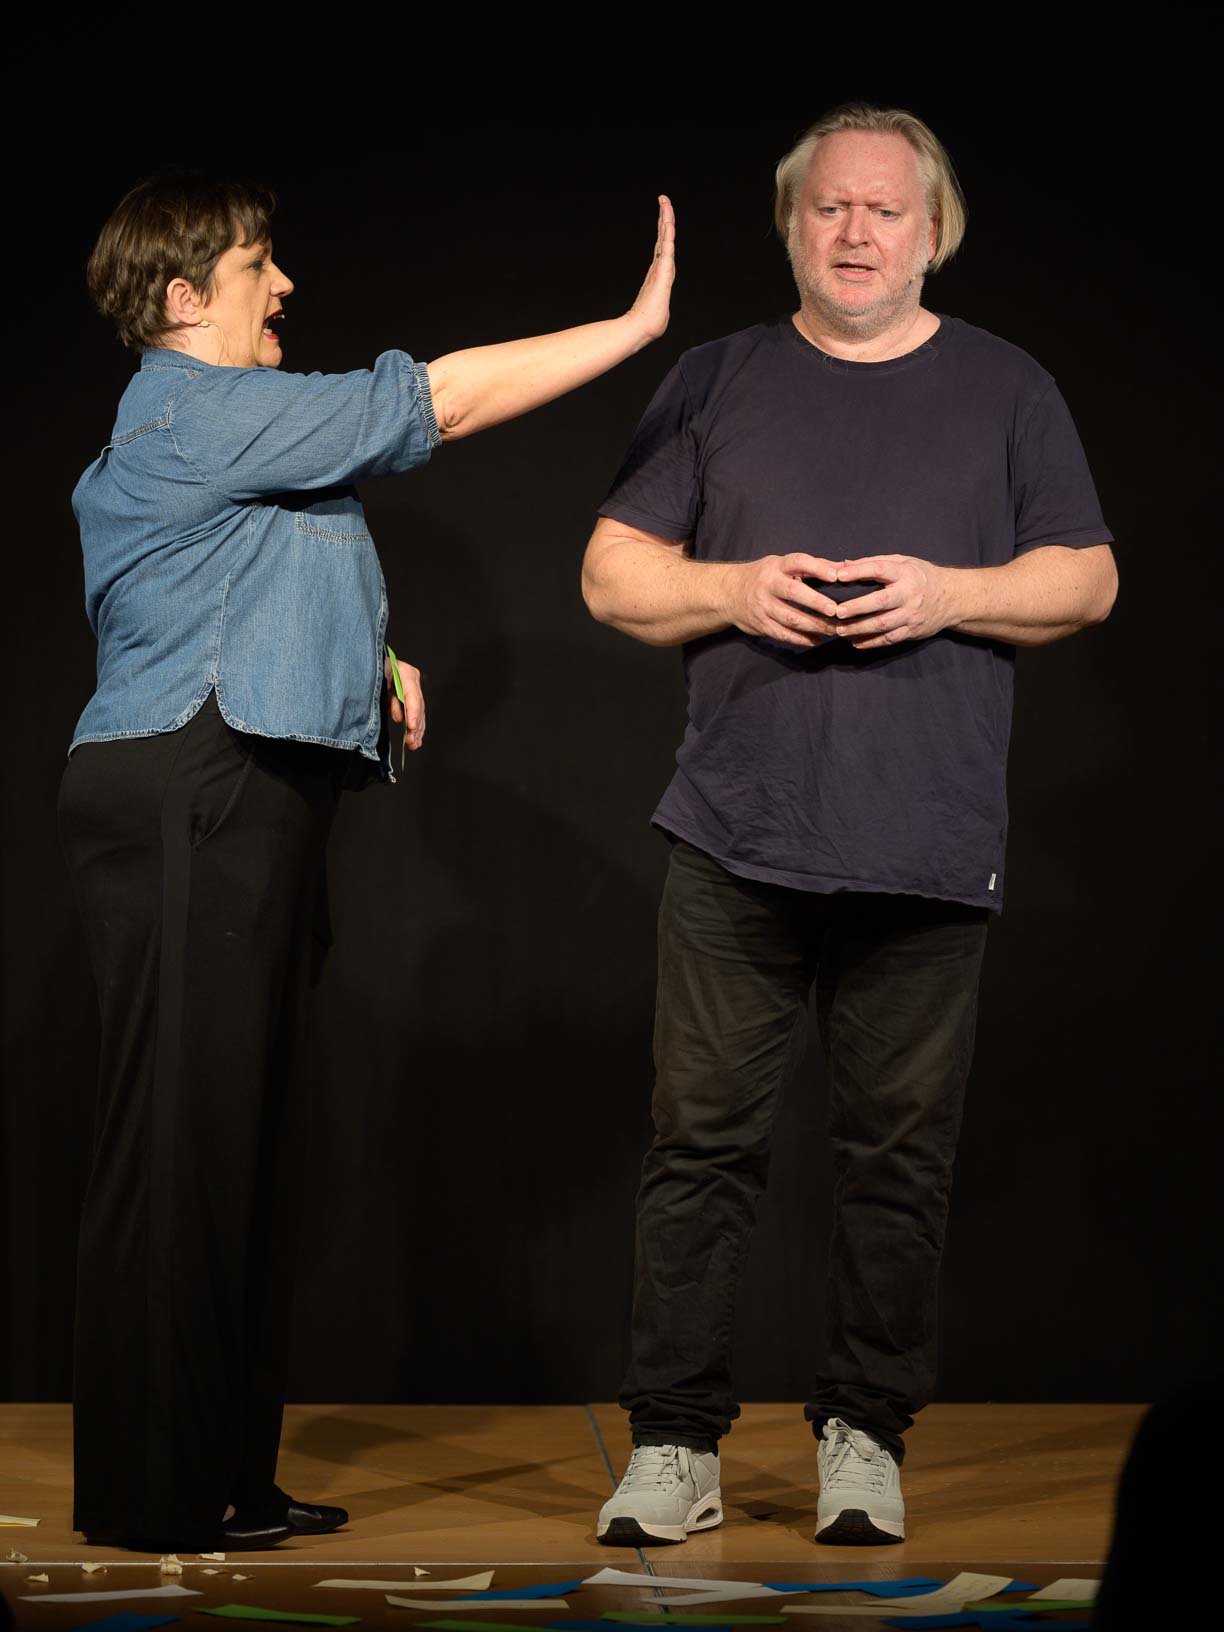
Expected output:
(849, 518)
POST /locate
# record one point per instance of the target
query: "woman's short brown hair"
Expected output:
(170, 226)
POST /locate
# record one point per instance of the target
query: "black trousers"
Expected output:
(896, 981)
(197, 860)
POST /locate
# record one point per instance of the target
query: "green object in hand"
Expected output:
(399, 692)
(395, 674)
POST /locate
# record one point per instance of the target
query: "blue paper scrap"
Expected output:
(879, 1589)
(1015, 1618)
(554, 1589)
(127, 1620)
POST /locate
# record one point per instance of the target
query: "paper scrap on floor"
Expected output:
(965, 1588)
(107, 1597)
(545, 1604)
(547, 1589)
(470, 1583)
(252, 1612)
(15, 1519)
(904, 1588)
(1084, 1592)
(705, 1591)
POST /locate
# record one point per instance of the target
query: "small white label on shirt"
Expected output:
(991, 885)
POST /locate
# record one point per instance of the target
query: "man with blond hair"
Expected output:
(849, 518)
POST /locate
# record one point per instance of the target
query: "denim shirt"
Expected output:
(226, 548)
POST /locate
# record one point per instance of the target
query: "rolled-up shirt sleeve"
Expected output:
(251, 432)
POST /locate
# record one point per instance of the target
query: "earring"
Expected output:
(204, 323)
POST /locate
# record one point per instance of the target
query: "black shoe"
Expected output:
(308, 1520)
(303, 1518)
(233, 1535)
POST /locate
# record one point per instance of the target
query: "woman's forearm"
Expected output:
(485, 385)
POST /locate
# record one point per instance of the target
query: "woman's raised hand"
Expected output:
(651, 305)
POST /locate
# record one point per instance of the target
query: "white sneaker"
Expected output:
(860, 1489)
(668, 1491)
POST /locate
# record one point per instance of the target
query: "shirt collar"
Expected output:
(164, 357)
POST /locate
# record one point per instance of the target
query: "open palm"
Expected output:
(651, 305)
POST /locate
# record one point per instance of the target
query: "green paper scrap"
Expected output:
(399, 692)
(1011, 1606)
(636, 1619)
(251, 1612)
(395, 674)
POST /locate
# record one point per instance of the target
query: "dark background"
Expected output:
(480, 1078)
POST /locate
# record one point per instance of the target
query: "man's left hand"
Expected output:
(916, 601)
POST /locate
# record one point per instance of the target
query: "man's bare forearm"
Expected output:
(654, 592)
(1038, 598)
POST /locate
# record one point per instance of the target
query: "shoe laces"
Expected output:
(653, 1467)
(854, 1458)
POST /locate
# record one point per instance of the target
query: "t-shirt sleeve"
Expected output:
(656, 488)
(252, 432)
(1056, 500)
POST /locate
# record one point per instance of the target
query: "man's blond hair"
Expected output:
(945, 202)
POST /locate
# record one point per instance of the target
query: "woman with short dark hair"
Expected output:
(243, 681)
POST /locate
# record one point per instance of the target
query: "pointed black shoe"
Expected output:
(303, 1518)
(233, 1535)
(309, 1520)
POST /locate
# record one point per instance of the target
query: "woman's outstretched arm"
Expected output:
(485, 385)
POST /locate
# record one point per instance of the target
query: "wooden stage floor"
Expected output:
(1018, 1490)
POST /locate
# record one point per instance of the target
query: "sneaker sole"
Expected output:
(626, 1532)
(854, 1528)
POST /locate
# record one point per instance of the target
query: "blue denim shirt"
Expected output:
(226, 548)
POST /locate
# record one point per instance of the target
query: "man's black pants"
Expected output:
(196, 857)
(896, 980)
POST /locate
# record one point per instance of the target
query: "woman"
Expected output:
(240, 612)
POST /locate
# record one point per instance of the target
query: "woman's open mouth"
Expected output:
(269, 332)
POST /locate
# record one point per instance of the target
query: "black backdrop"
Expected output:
(480, 1077)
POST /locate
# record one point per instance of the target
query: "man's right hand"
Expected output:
(769, 597)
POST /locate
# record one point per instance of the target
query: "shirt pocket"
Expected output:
(333, 517)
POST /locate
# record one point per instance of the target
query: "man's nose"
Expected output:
(856, 228)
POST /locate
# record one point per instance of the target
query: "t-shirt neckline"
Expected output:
(924, 353)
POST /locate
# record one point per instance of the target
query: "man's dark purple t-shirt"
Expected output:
(830, 769)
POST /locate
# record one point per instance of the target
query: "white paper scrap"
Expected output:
(45, 1579)
(13, 1518)
(242, 1578)
(14, 1557)
(212, 1572)
(704, 1591)
(965, 1588)
(93, 1569)
(107, 1597)
(170, 1564)
(476, 1604)
(214, 1558)
(468, 1583)
(419, 1571)
(1073, 1587)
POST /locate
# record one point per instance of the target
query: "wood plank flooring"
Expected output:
(1019, 1490)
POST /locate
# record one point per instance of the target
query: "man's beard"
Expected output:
(864, 320)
